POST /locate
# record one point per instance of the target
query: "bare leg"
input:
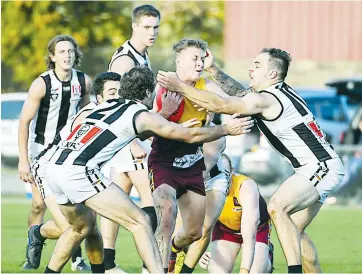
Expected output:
(302, 219)
(82, 224)
(139, 179)
(295, 194)
(164, 198)
(261, 263)
(223, 256)
(115, 205)
(52, 229)
(192, 208)
(214, 204)
(37, 208)
(110, 229)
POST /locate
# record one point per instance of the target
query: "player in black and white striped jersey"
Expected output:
(291, 129)
(54, 97)
(129, 168)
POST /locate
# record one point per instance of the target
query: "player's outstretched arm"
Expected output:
(249, 200)
(31, 105)
(149, 122)
(251, 103)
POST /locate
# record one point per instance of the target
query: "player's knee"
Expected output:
(84, 226)
(38, 206)
(194, 234)
(142, 222)
(275, 208)
(206, 230)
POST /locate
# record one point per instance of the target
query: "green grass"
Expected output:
(337, 233)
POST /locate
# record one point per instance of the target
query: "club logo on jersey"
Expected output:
(82, 131)
(236, 202)
(81, 135)
(76, 90)
(54, 94)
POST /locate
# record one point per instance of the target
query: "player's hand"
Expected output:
(209, 60)
(237, 126)
(170, 103)
(169, 80)
(205, 260)
(190, 123)
(24, 172)
(137, 150)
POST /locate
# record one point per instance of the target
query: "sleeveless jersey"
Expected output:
(130, 51)
(176, 154)
(295, 133)
(232, 212)
(105, 131)
(48, 152)
(61, 102)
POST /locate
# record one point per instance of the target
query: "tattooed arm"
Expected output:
(225, 82)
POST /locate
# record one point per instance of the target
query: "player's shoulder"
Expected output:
(38, 86)
(239, 178)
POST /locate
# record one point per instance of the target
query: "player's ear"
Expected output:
(99, 98)
(273, 74)
(148, 93)
(134, 25)
(177, 61)
(52, 57)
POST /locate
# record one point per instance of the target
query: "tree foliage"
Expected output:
(99, 27)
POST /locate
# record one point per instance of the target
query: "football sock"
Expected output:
(77, 253)
(97, 268)
(37, 233)
(109, 258)
(186, 269)
(295, 268)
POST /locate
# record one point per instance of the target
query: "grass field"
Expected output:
(337, 233)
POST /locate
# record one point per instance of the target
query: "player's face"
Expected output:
(259, 72)
(64, 55)
(110, 91)
(146, 30)
(190, 63)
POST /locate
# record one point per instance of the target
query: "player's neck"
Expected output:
(138, 45)
(184, 79)
(63, 75)
(269, 84)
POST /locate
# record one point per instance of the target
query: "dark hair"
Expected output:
(51, 50)
(100, 79)
(136, 82)
(279, 59)
(189, 43)
(144, 10)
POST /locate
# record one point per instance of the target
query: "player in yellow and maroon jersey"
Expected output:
(176, 168)
(244, 222)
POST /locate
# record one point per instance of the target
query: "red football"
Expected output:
(175, 117)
